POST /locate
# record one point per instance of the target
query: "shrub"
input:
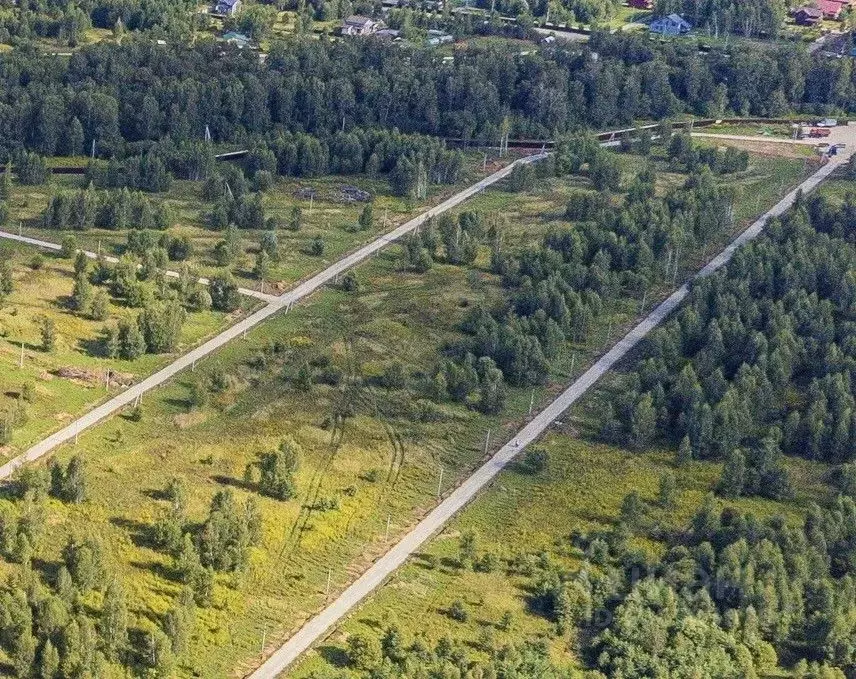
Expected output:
(534, 461)
(457, 611)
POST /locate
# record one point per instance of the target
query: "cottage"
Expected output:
(808, 16)
(388, 34)
(670, 25)
(830, 8)
(227, 7)
(360, 25)
(641, 4)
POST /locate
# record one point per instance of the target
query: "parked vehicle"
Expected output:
(819, 132)
(827, 122)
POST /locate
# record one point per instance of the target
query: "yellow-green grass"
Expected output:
(328, 215)
(397, 316)
(520, 514)
(44, 293)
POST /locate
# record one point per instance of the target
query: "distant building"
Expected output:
(388, 34)
(360, 25)
(831, 9)
(439, 37)
(670, 25)
(227, 7)
(238, 39)
(808, 16)
(641, 4)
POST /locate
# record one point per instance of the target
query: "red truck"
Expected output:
(819, 132)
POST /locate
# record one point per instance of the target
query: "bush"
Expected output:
(68, 247)
(457, 611)
(534, 461)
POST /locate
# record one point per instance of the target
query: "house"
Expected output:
(830, 8)
(360, 25)
(239, 40)
(808, 16)
(670, 25)
(438, 38)
(388, 34)
(641, 4)
(227, 7)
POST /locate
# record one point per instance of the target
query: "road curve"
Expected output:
(317, 627)
(276, 304)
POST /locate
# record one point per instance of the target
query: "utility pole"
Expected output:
(644, 297)
(311, 201)
(531, 402)
(264, 634)
(21, 362)
(573, 362)
(487, 442)
(329, 577)
(440, 484)
(388, 519)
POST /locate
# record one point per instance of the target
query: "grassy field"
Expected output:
(43, 293)
(328, 216)
(524, 515)
(376, 467)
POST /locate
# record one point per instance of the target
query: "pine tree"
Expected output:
(685, 452)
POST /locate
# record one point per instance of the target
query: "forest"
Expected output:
(760, 362)
(141, 97)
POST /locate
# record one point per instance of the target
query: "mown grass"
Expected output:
(397, 316)
(44, 293)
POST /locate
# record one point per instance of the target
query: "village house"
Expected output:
(808, 16)
(360, 25)
(670, 25)
(227, 7)
(641, 4)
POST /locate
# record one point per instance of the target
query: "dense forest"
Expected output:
(126, 98)
(761, 359)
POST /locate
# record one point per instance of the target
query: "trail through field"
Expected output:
(318, 626)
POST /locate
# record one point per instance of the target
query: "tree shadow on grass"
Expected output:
(92, 347)
(334, 656)
(139, 532)
(233, 482)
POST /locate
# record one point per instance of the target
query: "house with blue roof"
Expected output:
(670, 25)
(227, 7)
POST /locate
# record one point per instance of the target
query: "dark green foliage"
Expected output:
(69, 483)
(130, 342)
(160, 326)
(758, 358)
(276, 470)
(47, 330)
(224, 293)
(7, 283)
(535, 460)
(228, 532)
